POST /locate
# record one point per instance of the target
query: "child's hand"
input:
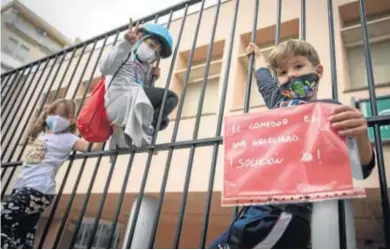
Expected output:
(253, 49)
(132, 33)
(155, 71)
(259, 58)
(348, 121)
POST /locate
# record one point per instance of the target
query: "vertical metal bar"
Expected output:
(4, 85)
(55, 205)
(24, 128)
(86, 200)
(127, 174)
(69, 205)
(201, 102)
(196, 129)
(21, 134)
(148, 163)
(83, 73)
(3, 172)
(32, 111)
(251, 60)
(195, 135)
(158, 126)
(75, 69)
(93, 72)
(6, 115)
(332, 51)
(219, 126)
(4, 81)
(73, 241)
(153, 78)
(4, 92)
(59, 195)
(78, 86)
(55, 75)
(303, 19)
(101, 204)
(106, 187)
(13, 87)
(377, 132)
(250, 70)
(278, 21)
(10, 89)
(5, 187)
(187, 76)
(65, 73)
(20, 118)
(120, 200)
(18, 109)
(73, 194)
(341, 205)
(70, 202)
(277, 41)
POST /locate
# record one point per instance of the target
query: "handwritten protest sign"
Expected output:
(285, 155)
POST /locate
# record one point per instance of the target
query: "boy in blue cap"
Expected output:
(131, 102)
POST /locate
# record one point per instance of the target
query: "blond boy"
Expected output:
(298, 71)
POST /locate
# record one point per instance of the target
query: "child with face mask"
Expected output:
(52, 138)
(131, 102)
(298, 71)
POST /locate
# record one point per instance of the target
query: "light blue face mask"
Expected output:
(142, 52)
(57, 124)
(145, 54)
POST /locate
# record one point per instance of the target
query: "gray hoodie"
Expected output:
(126, 104)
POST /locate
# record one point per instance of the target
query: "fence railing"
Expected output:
(27, 89)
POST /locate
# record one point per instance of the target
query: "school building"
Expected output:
(187, 171)
(26, 37)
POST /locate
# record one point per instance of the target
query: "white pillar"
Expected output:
(143, 229)
(325, 225)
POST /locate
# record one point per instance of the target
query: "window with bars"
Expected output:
(196, 78)
(380, 54)
(14, 48)
(102, 236)
(10, 46)
(378, 32)
(22, 53)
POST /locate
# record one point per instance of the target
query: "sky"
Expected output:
(87, 18)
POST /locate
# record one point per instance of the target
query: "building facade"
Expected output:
(25, 37)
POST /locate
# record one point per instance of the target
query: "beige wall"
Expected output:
(317, 34)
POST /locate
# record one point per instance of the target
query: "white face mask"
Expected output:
(57, 124)
(145, 54)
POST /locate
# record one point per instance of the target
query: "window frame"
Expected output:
(15, 53)
(378, 83)
(102, 223)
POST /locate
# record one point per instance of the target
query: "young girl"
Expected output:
(53, 138)
(131, 102)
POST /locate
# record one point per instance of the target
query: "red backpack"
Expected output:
(92, 122)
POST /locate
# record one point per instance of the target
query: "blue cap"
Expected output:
(162, 34)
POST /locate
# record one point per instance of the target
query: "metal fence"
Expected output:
(34, 82)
